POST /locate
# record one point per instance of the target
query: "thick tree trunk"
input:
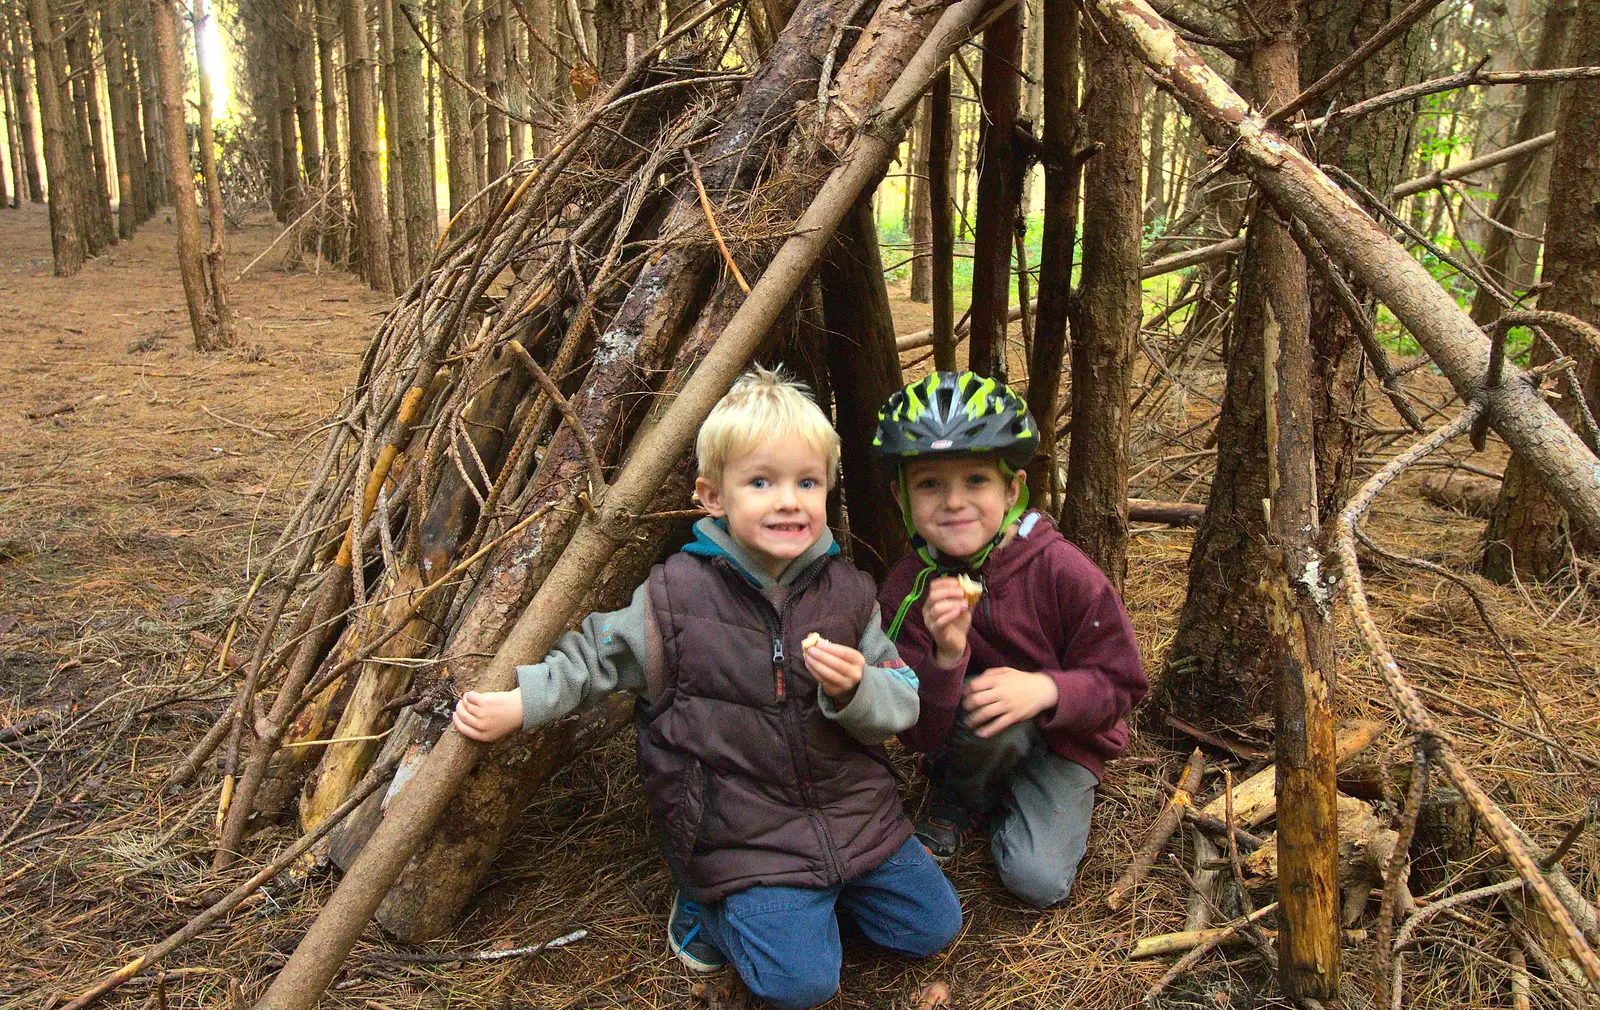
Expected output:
(473, 20)
(614, 21)
(941, 214)
(1062, 173)
(21, 93)
(457, 127)
(399, 257)
(176, 135)
(416, 152)
(1094, 512)
(921, 214)
(999, 190)
(74, 117)
(294, 188)
(864, 367)
(67, 239)
(366, 179)
(222, 334)
(1527, 535)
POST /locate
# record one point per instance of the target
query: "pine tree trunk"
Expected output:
(494, 86)
(476, 111)
(1155, 206)
(21, 91)
(331, 236)
(921, 214)
(542, 70)
(124, 128)
(1033, 94)
(1538, 112)
(67, 239)
(1094, 512)
(1062, 173)
(293, 188)
(13, 102)
(864, 368)
(301, 15)
(399, 254)
(1375, 149)
(1274, 305)
(94, 213)
(999, 190)
(176, 135)
(366, 178)
(614, 22)
(86, 94)
(1528, 532)
(941, 220)
(415, 150)
(457, 127)
(216, 267)
(13, 143)
(155, 145)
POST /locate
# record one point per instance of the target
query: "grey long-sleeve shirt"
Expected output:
(620, 650)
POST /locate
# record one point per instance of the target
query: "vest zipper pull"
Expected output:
(777, 663)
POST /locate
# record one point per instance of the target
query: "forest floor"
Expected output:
(136, 478)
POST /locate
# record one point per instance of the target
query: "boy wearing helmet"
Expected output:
(766, 689)
(1024, 686)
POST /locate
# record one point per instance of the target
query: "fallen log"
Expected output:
(1156, 838)
(1255, 800)
(1455, 344)
(1473, 496)
(1172, 513)
(318, 956)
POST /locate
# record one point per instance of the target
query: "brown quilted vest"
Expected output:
(749, 783)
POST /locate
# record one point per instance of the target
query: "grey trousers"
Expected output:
(1039, 805)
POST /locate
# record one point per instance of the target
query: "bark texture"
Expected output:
(366, 178)
(1094, 512)
(176, 135)
(1528, 535)
(415, 147)
(999, 194)
(68, 243)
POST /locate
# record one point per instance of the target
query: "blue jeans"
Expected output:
(784, 941)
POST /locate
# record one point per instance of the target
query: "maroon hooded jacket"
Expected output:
(1046, 608)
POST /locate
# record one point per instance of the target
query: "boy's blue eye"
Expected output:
(759, 482)
(807, 483)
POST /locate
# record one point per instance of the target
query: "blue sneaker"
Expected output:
(688, 940)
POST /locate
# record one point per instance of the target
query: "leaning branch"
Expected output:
(1454, 343)
(1466, 79)
(1434, 180)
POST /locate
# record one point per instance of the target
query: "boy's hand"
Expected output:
(837, 668)
(948, 618)
(1000, 697)
(487, 716)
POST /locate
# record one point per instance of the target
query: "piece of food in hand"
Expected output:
(811, 640)
(971, 588)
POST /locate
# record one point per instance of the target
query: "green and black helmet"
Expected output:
(956, 413)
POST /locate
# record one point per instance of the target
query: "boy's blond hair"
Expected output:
(764, 403)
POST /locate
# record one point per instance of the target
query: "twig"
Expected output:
(591, 459)
(1393, 877)
(1217, 938)
(1165, 824)
(1404, 96)
(711, 219)
(376, 776)
(38, 787)
(479, 956)
(1238, 873)
(281, 236)
(237, 424)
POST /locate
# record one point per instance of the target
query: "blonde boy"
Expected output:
(760, 748)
